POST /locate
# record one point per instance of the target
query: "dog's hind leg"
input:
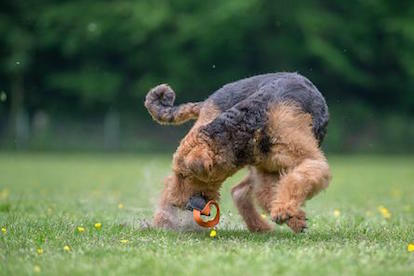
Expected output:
(264, 188)
(243, 198)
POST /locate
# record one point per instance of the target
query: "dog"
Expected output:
(273, 124)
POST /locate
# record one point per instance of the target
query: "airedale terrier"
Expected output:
(272, 123)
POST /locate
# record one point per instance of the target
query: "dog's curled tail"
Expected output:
(160, 104)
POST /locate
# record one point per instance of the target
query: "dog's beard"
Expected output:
(180, 220)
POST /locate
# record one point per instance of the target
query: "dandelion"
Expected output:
(213, 233)
(387, 215)
(98, 226)
(36, 269)
(39, 251)
(66, 248)
(263, 216)
(336, 213)
(124, 241)
(4, 230)
(410, 247)
(384, 212)
(120, 206)
(81, 229)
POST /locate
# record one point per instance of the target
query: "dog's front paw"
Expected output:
(281, 213)
(163, 220)
(293, 217)
(297, 224)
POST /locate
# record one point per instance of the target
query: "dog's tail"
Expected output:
(160, 104)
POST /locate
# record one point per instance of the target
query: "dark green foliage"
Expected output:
(85, 57)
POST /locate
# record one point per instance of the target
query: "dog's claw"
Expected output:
(281, 220)
(295, 219)
(278, 220)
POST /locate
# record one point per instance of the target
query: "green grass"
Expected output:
(44, 198)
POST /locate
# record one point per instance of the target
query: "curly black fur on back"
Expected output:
(244, 105)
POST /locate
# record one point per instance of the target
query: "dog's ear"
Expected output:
(199, 162)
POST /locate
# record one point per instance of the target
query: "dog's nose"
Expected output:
(197, 202)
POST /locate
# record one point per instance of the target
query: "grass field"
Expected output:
(44, 198)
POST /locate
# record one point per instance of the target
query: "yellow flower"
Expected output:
(120, 206)
(213, 233)
(263, 216)
(66, 248)
(124, 241)
(98, 225)
(81, 229)
(36, 269)
(410, 247)
(384, 212)
(387, 215)
(336, 213)
(4, 230)
(39, 251)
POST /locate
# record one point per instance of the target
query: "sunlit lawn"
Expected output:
(44, 198)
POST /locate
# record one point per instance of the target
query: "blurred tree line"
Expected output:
(79, 59)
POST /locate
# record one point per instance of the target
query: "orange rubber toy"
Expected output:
(206, 212)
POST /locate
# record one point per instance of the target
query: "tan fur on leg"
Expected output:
(298, 185)
(296, 153)
(242, 197)
(264, 188)
(175, 194)
(165, 217)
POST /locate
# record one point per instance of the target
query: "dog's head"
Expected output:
(199, 161)
(200, 158)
